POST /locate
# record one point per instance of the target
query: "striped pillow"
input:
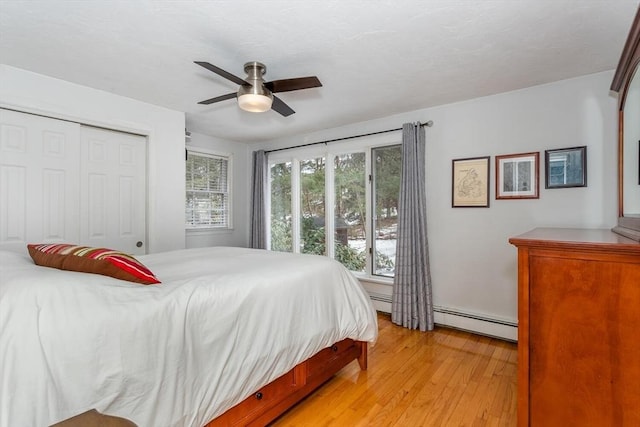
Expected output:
(92, 260)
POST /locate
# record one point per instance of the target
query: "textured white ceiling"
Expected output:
(374, 58)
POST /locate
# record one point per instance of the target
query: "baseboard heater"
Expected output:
(444, 310)
(380, 297)
(472, 322)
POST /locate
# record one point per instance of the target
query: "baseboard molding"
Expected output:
(455, 318)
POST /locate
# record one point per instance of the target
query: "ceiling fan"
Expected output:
(256, 95)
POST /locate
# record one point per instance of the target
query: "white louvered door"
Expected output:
(64, 182)
(39, 179)
(113, 189)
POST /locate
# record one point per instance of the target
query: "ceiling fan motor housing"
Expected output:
(251, 96)
(255, 86)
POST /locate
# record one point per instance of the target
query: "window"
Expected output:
(387, 163)
(312, 200)
(321, 204)
(281, 231)
(350, 226)
(207, 186)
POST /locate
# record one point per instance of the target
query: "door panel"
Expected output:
(39, 179)
(113, 189)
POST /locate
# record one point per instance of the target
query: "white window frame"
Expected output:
(203, 152)
(371, 204)
(363, 144)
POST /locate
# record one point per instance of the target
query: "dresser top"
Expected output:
(575, 238)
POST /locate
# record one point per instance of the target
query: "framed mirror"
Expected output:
(626, 82)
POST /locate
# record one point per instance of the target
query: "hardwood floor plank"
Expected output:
(445, 377)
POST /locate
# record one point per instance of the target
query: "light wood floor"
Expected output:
(440, 378)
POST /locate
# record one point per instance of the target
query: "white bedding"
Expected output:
(174, 354)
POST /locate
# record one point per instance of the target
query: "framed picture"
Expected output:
(517, 176)
(470, 183)
(566, 167)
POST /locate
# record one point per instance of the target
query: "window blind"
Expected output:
(207, 191)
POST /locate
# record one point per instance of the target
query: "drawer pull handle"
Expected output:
(259, 395)
(334, 348)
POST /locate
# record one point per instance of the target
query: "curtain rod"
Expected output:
(427, 124)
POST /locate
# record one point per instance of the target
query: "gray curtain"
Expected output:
(412, 304)
(258, 232)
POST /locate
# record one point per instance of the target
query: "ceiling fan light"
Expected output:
(255, 103)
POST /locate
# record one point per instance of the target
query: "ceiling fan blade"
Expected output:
(282, 108)
(219, 71)
(288, 85)
(218, 98)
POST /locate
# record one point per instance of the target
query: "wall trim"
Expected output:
(460, 319)
(85, 121)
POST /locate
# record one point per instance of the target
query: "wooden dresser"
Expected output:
(578, 328)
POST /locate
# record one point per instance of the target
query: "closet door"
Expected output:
(39, 180)
(113, 190)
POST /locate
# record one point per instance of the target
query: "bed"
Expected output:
(231, 336)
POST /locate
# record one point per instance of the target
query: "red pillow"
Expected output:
(92, 260)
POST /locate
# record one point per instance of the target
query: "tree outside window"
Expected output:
(387, 168)
(350, 227)
(281, 232)
(312, 202)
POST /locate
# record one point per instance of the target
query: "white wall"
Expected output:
(473, 267)
(240, 190)
(30, 92)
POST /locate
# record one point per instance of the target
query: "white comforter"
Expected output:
(224, 322)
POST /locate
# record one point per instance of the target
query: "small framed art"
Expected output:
(517, 176)
(565, 167)
(470, 182)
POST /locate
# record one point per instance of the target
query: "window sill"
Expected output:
(374, 279)
(208, 231)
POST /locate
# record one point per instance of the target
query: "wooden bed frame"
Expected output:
(270, 401)
(278, 396)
